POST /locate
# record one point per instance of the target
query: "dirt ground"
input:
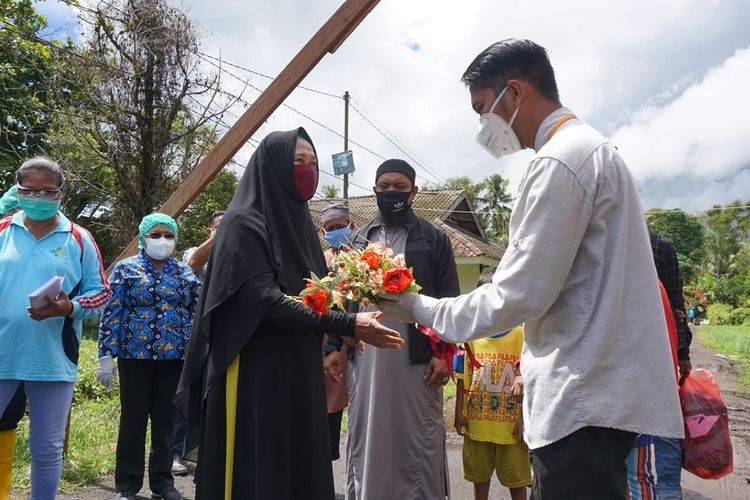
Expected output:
(732, 487)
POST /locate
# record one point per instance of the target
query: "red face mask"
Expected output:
(305, 180)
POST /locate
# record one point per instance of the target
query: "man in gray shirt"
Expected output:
(578, 272)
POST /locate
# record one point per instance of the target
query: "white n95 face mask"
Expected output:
(159, 249)
(496, 135)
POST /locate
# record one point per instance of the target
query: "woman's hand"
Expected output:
(60, 307)
(332, 367)
(369, 330)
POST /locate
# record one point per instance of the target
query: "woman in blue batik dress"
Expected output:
(146, 325)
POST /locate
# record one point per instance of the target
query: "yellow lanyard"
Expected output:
(557, 125)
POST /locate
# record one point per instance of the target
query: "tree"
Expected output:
(30, 87)
(494, 205)
(143, 121)
(686, 234)
(726, 228)
(684, 231)
(216, 196)
(489, 197)
(463, 184)
(330, 191)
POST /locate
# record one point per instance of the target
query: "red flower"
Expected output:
(317, 301)
(372, 259)
(343, 285)
(397, 279)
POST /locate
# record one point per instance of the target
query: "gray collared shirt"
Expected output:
(579, 273)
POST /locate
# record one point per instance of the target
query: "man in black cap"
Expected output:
(395, 431)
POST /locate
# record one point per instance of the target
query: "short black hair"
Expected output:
(486, 277)
(509, 59)
(214, 215)
(41, 164)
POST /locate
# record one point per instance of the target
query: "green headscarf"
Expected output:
(152, 220)
(9, 201)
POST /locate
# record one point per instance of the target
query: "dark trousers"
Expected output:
(146, 390)
(588, 464)
(180, 431)
(334, 428)
(14, 411)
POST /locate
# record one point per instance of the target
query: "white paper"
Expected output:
(51, 289)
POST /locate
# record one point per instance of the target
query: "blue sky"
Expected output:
(666, 81)
(61, 20)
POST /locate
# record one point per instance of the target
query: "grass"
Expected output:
(93, 431)
(733, 341)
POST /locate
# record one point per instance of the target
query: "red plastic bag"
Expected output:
(707, 448)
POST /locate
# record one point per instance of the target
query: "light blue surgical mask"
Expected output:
(338, 237)
(37, 208)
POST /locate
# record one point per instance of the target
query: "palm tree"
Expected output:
(330, 191)
(494, 206)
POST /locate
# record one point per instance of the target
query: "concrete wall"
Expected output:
(468, 274)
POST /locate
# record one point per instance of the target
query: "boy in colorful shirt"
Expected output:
(488, 413)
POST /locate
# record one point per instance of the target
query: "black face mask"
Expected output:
(394, 206)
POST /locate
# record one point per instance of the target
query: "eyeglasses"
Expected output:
(156, 235)
(49, 194)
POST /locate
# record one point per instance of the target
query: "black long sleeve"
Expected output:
(291, 315)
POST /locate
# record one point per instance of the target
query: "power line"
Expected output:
(34, 37)
(248, 70)
(396, 143)
(313, 120)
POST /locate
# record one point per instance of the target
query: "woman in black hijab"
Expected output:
(252, 387)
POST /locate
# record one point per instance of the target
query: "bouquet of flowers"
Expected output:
(361, 276)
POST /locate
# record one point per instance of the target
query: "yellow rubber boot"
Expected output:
(7, 450)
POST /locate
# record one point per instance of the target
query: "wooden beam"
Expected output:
(328, 38)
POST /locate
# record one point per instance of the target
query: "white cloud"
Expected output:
(702, 133)
(629, 67)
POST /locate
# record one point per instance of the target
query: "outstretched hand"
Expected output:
(368, 329)
(408, 307)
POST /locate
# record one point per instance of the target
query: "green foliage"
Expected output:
(686, 234)
(725, 256)
(216, 196)
(489, 197)
(718, 314)
(30, 85)
(493, 202)
(684, 231)
(731, 289)
(726, 230)
(739, 316)
(93, 430)
(142, 123)
(330, 191)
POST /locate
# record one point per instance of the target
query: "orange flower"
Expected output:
(317, 301)
(397, 279)
(372, 259)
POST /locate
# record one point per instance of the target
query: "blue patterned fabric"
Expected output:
(150, 313)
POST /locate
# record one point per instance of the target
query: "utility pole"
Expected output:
(346, 140)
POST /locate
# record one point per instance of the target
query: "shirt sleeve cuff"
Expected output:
(423, 310)
(77, 308)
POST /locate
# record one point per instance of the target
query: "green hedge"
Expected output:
(725, 314)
